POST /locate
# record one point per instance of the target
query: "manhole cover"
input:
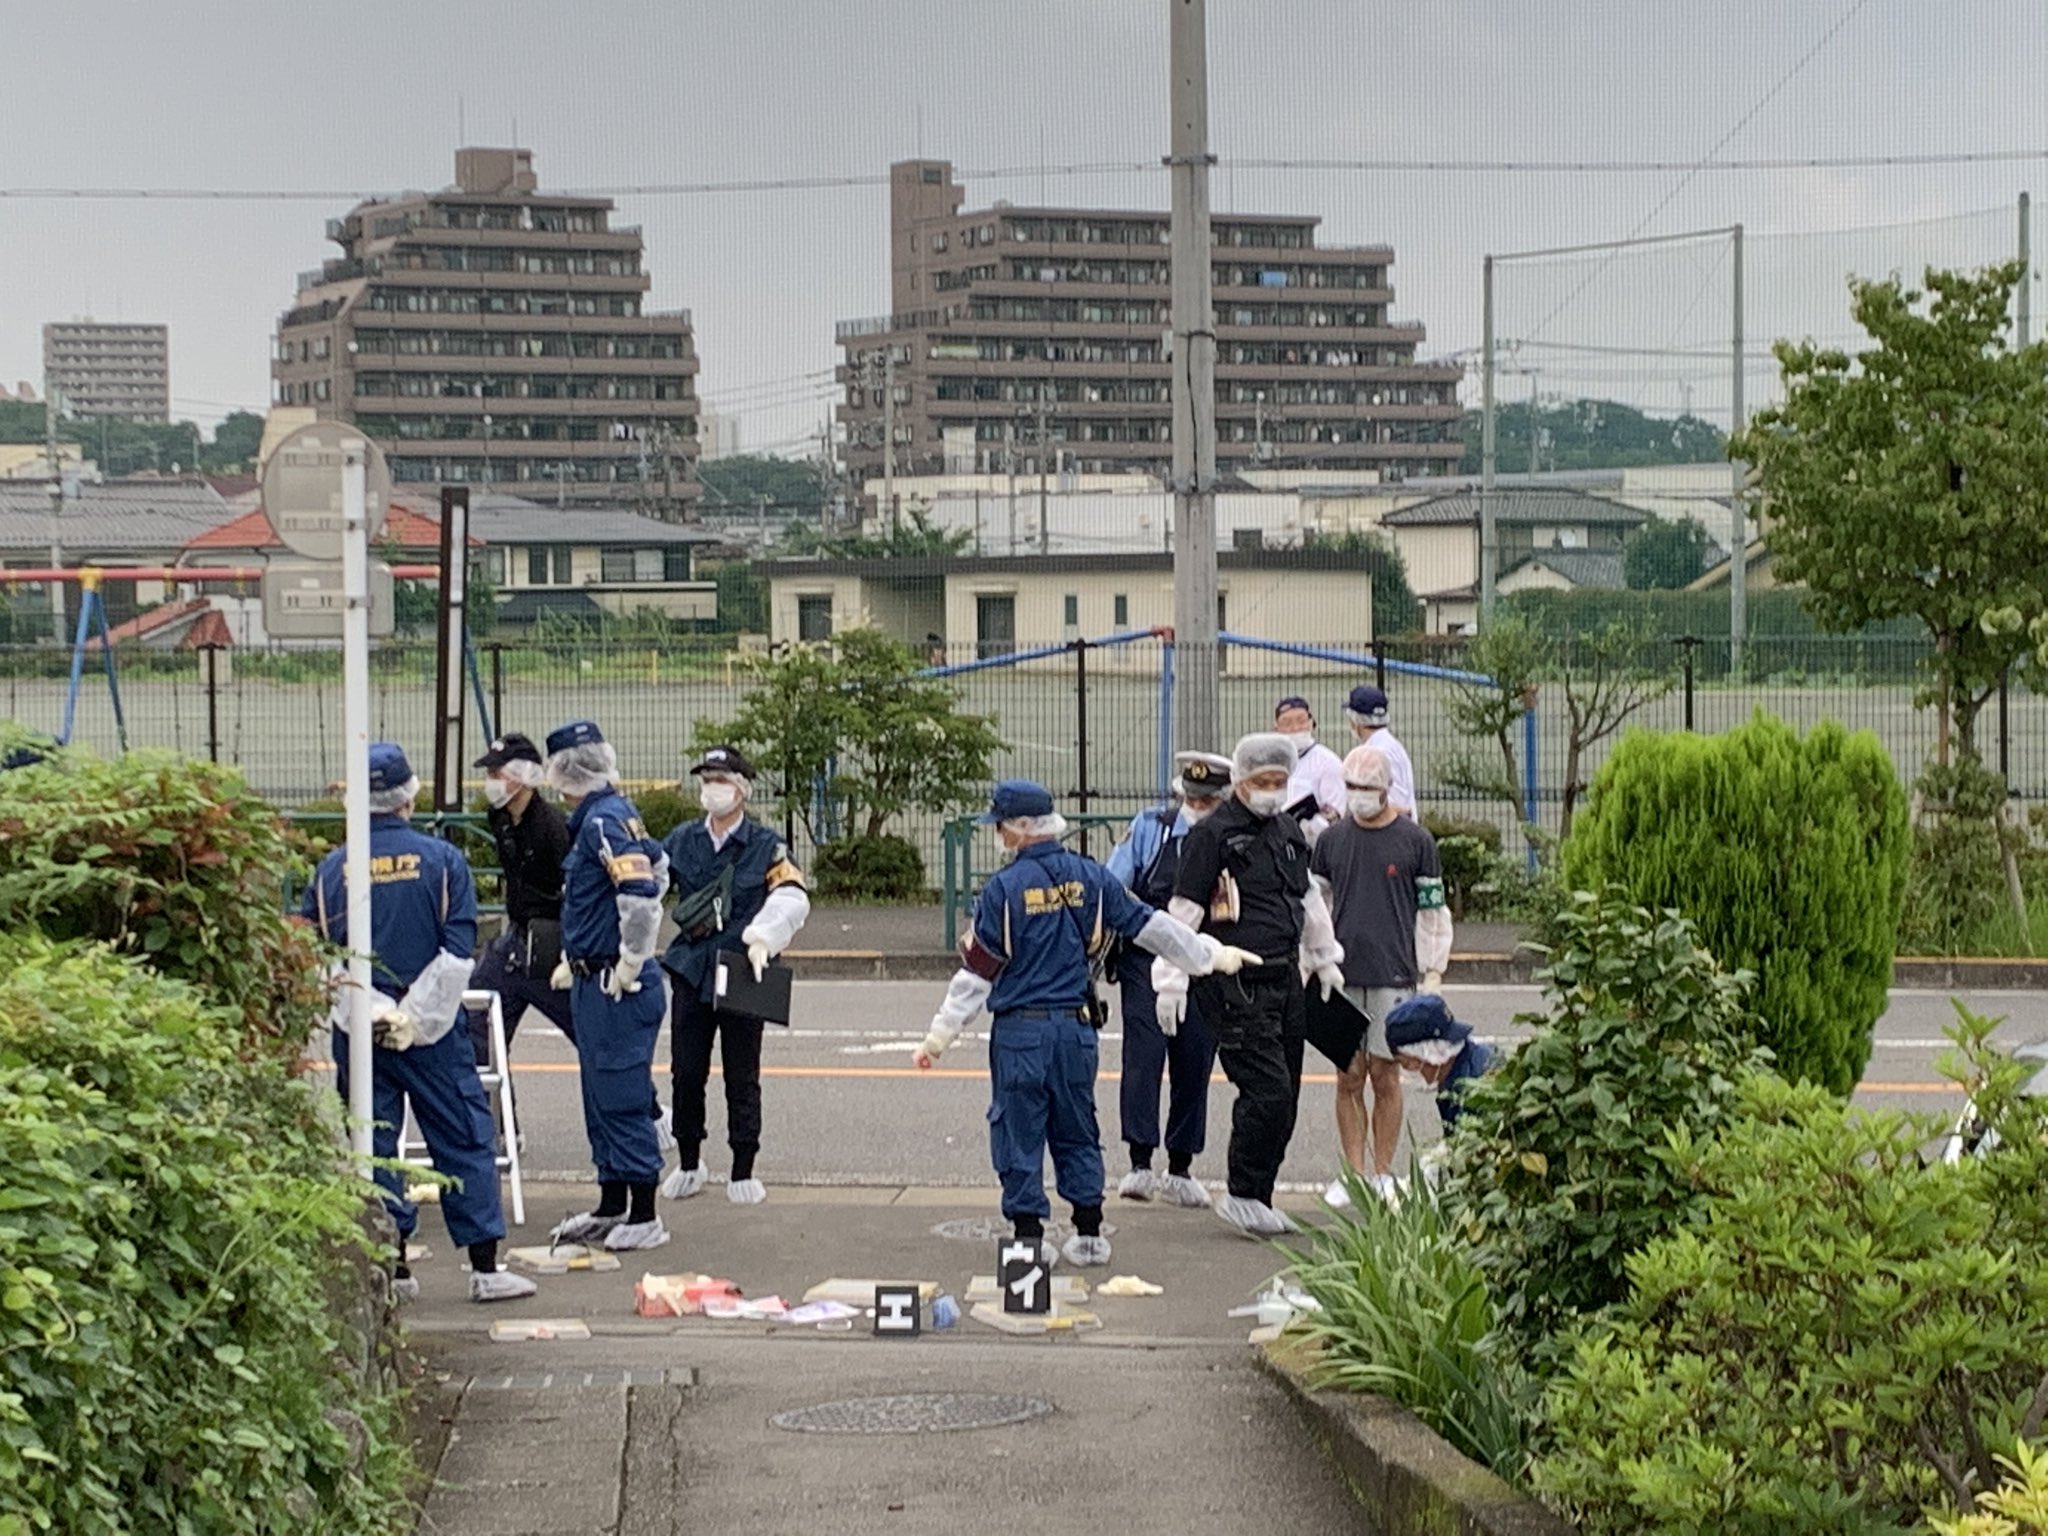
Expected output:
(987, 1229)
(915, 1413)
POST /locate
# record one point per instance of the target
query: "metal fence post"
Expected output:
(2005, 726)
(1529, 778)
(1687, 645)
(212, 653)
(1081, 735)
(497, 650)
(1379, 662)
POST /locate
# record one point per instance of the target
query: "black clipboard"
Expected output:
(1335, 1027)
(1305, 809)
(734, 990)
(543, 947)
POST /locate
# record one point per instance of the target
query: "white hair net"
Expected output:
(387, 802)
(581, 771)
(1054, 825)
(521, 771)
(1368, 768)
(1260, 751)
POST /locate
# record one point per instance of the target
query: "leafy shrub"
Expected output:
(2018, 1506)
(1468, 850)
(1956, 881)
(663, 808)
(1788, 855)
(172, 861)
(870, 869)
(1828, 1347)
(169, 1208)
(1405, 1314)
(1558, 1166)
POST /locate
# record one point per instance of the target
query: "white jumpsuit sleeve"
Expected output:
(966, 995)
(1319, 946)
(434, 1001)
(781, 916)
(1177, 944)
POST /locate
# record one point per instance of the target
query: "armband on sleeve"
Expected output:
(979, 961)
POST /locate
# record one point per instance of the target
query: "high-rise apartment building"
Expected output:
(494, 335)
(109, 368)
(1021, 333)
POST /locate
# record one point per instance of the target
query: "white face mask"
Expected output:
(1195, 813)
(1365, 804)
(1302, 740)
(720, 800)
(497, 793)
(1266, 802)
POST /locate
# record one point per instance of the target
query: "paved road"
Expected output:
(844, 1105)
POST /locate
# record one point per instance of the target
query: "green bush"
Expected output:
(870, 869)
(1404, 1313)
(1788, 856)
(174, 862)
(169, 1210)
(1468, 850)
(1956, 880)
(1829, 1347)
(663, 808)
(1557, 1169)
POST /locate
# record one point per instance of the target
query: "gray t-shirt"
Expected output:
(1372, 873)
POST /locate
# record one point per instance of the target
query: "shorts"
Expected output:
(1378, 1002)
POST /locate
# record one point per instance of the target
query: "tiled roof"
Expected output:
(137, 518)
(1581, 567)
(252, 530)
(1461, 510)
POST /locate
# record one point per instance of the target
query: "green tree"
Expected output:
(792, 488)
(907, 746)
(1394, 608)
(1789, 856)
(788, 722)
(1912, 479)
(1664, 554)
(1588, 434)
(235, 441)
(913, 538)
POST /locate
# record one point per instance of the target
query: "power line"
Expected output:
(1934, 158)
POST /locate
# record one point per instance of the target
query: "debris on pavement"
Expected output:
(679, 1295)
(766, 1309)
(563, 1260)
(1059, 1320)
(1067, 1288)
(1129, 1285)
(819, 1312)
(539, 1329)
(861, 1293)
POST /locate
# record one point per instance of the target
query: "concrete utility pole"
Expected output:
(1738, 561)
(1194, 386)
(1489, 529)
(56, 467)
(1044, 512)
(889, 437)
(2025, 312)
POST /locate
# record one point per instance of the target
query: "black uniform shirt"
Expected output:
(1259, 865)
(530, 852)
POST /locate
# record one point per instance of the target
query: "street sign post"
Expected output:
(304, 600)
(325, 491)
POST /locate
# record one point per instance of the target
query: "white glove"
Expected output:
(758, 955)
(393, 1029)
(931, 1050)
(1170, 1008)
(623, 979)
(1431, 984)
(1230, 960)
(563, 978)
(1330, 977)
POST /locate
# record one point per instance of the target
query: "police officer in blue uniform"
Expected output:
(612, 881)
(1146, 862)
(736, 890)
(1039, 925)
(423, 933)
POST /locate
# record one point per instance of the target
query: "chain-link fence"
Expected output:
(1084, 720)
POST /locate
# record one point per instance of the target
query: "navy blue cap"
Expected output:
(388, 767)
(724, 760)
(1369, 703)
(1292, 701)
(1422, 1019)
(577, 733)
(1017, 797)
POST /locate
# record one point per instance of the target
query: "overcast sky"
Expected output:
(363, 96)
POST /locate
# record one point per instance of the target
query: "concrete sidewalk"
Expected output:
(1157, 1422)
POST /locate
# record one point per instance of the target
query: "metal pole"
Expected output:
(1687, 644)
(1489, 530)
(2025, 312)
(497, 650)
(1529, 777)
(1044, 514)
(1194, 383)
(1379, 658)
(1166, 716)
(355, 642)
(56, 507)
(889, 433)
(212, 653)
(1738, 561)
(1081, 733)
(2005, 725)
(451, 625)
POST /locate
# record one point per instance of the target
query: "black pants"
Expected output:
(694, 1025)
(1258, 1022)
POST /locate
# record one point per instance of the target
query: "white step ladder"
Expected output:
(497, 1077)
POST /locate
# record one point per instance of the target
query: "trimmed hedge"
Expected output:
(1788, 855)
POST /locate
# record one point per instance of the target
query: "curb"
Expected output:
(1933, 972)
(1407, 1479)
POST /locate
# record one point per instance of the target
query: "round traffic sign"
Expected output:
(302, 487)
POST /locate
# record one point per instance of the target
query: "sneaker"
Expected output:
(1183, 1190)
(685, 1182)
(628, 1235)
(664, 1130)
(404, 1288)
(1086, 1251)
(745, 1191)
(1138, 1184)
(500, 1285)
(1337, 1197)
(584, 1228)
(1387, 1187)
